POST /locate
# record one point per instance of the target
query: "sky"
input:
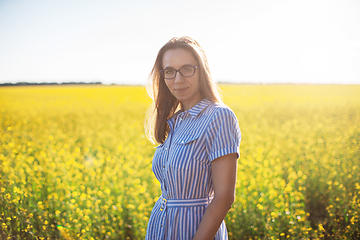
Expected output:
(246, 41)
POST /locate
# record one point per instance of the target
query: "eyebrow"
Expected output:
(185, 65)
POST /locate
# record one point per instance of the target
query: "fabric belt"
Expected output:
(193, 202)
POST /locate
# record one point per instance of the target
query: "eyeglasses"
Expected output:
(185, 71)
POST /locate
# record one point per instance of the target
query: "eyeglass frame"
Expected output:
(178, 70)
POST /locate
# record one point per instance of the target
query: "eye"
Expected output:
(169, 71)
(187, 69)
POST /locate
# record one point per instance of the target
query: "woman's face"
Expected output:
(185, 89)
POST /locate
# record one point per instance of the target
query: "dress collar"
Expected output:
(195, 110)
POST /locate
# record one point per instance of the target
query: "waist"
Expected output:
(193, 202)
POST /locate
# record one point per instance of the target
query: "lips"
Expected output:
(180, 90)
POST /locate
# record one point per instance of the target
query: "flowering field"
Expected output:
(75, 164)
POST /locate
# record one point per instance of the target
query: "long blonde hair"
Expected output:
(164, 103)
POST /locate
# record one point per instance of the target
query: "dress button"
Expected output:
(163, 166)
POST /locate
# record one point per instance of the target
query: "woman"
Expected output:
(199, 146)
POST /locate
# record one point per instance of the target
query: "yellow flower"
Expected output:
(259, 206)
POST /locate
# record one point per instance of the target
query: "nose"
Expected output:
(178, 77)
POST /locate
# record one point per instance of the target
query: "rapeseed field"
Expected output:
(75, 163)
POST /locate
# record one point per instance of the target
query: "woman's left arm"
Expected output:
(223, 171)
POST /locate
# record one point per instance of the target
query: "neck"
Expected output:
(188, 105)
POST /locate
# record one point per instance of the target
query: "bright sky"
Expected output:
(258, 41)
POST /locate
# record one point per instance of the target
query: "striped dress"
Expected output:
(182, 164)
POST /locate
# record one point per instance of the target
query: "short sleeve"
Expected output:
(223, 134)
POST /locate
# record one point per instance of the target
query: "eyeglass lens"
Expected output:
(187, 71)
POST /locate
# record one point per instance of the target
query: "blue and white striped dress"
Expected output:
(182, 164)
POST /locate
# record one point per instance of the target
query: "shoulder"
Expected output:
(220, 111)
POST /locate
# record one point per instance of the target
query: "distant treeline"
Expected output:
(45, 83)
